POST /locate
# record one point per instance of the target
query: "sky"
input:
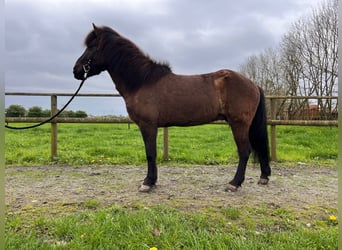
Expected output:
(44, 38)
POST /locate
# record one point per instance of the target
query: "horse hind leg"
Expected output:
(259, 144)
(240, 133)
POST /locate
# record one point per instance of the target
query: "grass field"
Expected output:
(135, 226)
(115, 144)
(166, 228)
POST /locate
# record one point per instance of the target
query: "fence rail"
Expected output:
(272, 121)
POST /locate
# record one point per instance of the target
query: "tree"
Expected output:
(264, 69)
(309, 55)
(305, 62)
(71, 113)
(15, 111)
(46, 113)
(80, 114)
(35, 112)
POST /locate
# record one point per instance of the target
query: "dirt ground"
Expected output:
(55, 188)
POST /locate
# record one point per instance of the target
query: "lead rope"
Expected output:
(86, 69)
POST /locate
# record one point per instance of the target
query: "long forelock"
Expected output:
(92, 39)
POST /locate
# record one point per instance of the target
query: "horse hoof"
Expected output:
(263, 181)
(231, 188)
(145, 188)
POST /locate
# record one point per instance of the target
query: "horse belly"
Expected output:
(187, 108)
(176, 101)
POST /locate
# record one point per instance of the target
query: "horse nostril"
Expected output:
(75, 71)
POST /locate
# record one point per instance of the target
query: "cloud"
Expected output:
(45, 37)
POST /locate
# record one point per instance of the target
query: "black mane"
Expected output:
(126, 59)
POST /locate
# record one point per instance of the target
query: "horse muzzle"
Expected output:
(79, 73)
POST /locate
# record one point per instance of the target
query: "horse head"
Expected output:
(92, 61)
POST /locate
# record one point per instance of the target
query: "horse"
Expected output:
(156, 97)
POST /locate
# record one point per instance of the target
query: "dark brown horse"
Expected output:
(156, 97)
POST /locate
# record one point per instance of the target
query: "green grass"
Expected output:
(115, 144)
(313, 144)
(167, 228)
(140, 227)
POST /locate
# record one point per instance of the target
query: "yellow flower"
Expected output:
(153, 248)
(332, 218)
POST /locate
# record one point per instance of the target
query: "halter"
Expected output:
(86, 68)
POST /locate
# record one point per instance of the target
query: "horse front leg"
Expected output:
(149, 134)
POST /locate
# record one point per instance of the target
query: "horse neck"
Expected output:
(133, 70)
(127, 77)
(119, 84)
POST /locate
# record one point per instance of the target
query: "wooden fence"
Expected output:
(272, 119)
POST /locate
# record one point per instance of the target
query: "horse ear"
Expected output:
(96, 29)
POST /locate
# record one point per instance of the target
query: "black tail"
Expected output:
(258, 134)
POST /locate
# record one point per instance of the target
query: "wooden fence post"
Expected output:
(273, 130)
(166, 144)
(54, 154)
